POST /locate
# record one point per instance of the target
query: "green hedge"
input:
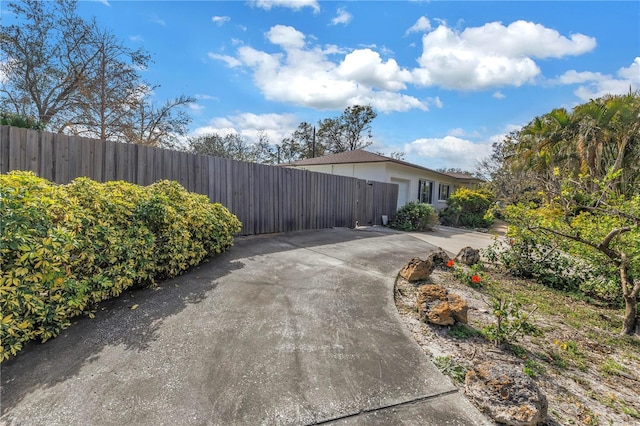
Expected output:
(64, 248)
(469, 208)
(415, 217)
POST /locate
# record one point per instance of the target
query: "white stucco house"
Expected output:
(415, 183)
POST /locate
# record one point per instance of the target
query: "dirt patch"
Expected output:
(590, 374)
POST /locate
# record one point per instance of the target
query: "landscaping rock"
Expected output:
(417, 269)
(435, 305)
(468, 256)
(438, 257)
(506, 394)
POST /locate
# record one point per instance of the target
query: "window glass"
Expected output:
(425, 191)
(443, 192)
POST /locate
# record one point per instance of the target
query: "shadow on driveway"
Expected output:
(40, 366)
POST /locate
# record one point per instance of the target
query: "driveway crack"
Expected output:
(384, 407)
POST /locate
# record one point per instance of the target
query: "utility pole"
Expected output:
(313, 144)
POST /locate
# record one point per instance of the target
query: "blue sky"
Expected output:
(446, 77)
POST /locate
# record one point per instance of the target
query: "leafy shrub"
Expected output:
(451, 367)
(16, 120)
(469, 208)
(472, 276)
(511, 321)
(65, 248)
(415, 217)
(540, 258)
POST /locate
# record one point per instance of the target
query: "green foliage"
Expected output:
(451, 368)
(349, 131)
(462, 331)
(594, 228)
(612, 368)
(511, 321)
(473, 276)
(64, 248)
(533, 368)
(415, 217)
(16, 120)
(469, 208)
(539, 257)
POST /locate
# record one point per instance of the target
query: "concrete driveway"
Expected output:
(295, 328)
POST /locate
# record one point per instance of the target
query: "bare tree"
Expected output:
(234, 146)
(45, 60)
(153, 126)
(77, 78)
(113, 89)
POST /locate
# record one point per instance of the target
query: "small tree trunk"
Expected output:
(630, 315)
(630, 291)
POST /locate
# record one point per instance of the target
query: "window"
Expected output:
(443, 192)
(425, 191)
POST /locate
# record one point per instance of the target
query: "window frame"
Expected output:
(448, 194)
(422, 184)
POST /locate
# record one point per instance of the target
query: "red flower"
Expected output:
(476, 279)
(450, 263)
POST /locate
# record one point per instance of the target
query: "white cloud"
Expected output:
(573, 77)
(220, 20)
(458, 131)
(105, 2)
(498, 95)
(632, 72)
(367, 67)
(422, 25)
(492, 55)
(195, 106)
(204, 97)
(528, 39)
(304, 74)
(449, 151)
(136, 38)
(157, 20)
(286, 37)
(250, 125)
(435, 101)
(595, 84)
(229, 60)
(343, 17)
(291, 4)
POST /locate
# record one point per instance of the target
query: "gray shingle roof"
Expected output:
(362, 156)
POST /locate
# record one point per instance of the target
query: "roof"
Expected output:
(355, 156)
(362, 156)
(463, 176)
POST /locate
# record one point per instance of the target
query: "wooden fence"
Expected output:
(265, 198)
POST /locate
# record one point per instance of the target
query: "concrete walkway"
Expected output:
(295, 328)
(447, 238)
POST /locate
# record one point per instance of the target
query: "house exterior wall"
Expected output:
(368, 171)
(414, 175)
(406, 177)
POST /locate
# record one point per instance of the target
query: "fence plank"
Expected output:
(17, 145)
(32, 152)
(61, 153)
(47, 160)
(4, 149)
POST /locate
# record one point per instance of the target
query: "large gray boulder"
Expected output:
(468, 256)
